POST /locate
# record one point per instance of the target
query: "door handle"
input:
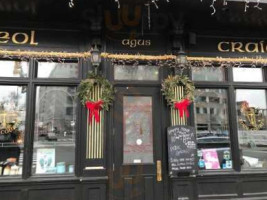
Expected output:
(159, 171)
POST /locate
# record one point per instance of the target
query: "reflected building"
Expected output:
(211, 112)
(56, 106)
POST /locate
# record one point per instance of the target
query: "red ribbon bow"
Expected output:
(94, 108)
(182, 107)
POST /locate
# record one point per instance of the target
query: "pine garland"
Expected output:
(171, 82)
(86, 89)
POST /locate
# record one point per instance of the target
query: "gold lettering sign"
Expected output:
(242, 47)
(18, 38)
(132, 43)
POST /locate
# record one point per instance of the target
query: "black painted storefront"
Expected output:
(114, 181)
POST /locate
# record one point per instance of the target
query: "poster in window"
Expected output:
(45, 162)
(211, 159)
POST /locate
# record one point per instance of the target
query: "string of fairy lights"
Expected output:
(247, 4)
(136, 59)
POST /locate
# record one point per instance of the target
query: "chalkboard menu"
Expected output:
(182, 150)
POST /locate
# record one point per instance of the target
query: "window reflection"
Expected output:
(57, 70)
(12, 129)
(14, 68)
(245, 74)
(252, 133)
(139, 72)
(208, 74)
(54, 135)
(211, 118)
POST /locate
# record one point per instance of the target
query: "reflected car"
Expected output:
(213, 139)
(51, 136)
(253, 139)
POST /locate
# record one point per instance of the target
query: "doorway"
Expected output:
(137, 148)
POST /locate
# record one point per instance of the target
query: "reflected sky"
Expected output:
(57, 70)
(247, 74)
(255, 98)
(14, 69)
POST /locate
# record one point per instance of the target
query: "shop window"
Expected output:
(245, 74)
(12, 129)
(136, 72)
(213, 139)
(14, 69)
(252, 127)
(137, 133)
(54, 134)
(208, 74)
(57, 70)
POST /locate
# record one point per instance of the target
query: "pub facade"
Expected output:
(56, 144)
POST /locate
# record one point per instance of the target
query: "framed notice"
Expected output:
(211, 159)
(45, 162)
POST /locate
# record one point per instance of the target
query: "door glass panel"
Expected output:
(137, 130)
(252, 127)
(139, 72)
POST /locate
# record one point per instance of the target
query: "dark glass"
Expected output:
(245, 74)
(57, 70)
(12, 129)
(137, 132)
(14, 68)
(252, 127)
(208, 74)
(211, 119)
(136, 72)
(54, 133)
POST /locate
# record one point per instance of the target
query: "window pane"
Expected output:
(12, 129)
(252, 129)
(139, 72)
(208, 74)
(14, 68)
(57, 70)
(243, 74)
(211, 118)
(138, 133)
(54, 133)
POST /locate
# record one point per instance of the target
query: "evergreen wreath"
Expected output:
(171, 82)
(86, 89)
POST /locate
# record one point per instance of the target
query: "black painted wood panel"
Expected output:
(149, 187)
(10, 195)
(52, 194)
(128, 183)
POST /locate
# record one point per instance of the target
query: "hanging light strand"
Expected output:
(213, 7)
(118, 3)
(258, 5)
(71, 3)
(225, 3)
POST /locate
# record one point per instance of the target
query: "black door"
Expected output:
(137, 144)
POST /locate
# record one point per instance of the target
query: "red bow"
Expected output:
(182, 107)
(94, 108)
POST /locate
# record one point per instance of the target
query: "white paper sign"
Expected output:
(45, 162)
